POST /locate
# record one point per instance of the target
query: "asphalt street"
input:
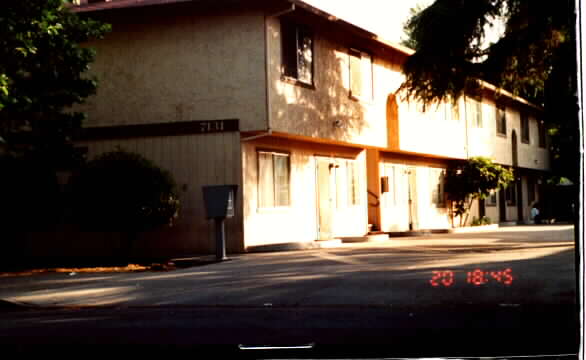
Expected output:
(506, 292)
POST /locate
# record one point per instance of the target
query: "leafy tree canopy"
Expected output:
(42, 66)
(451, 55)
(535, 59)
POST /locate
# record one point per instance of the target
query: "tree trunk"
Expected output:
(468, 211)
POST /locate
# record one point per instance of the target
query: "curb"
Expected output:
(473, 229)
(294, 246)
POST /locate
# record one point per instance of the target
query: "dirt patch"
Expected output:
(98, 269)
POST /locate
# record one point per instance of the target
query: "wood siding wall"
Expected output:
(194, 161)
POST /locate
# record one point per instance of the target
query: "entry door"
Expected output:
(413, 209)
(325, 197)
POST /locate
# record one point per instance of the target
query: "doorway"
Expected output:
(411, 173)
(325, 197)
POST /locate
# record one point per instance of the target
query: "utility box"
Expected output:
(220, 200)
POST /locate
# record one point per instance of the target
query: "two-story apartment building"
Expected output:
(299, 109)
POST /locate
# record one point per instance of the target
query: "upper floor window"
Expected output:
(501, 121)
(525, 128)
(297, 52)
(273, 179)
(474, 112)
(360, 75)
(541, 133)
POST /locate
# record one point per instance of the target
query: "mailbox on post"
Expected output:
(220, 201)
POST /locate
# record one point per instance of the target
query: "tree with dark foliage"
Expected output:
(42, 74)
(535, 59)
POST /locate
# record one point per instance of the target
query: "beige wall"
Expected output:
(190, 161)
(311, 112)
(298, 222)
(164, 65)
(430, 132)
(530, 156)
(395, 212)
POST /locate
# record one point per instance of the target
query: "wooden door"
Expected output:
(325, 198)
(412, 193)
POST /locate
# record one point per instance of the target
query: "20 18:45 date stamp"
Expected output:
(477, 277)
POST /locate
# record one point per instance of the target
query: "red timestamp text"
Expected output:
(477, 277)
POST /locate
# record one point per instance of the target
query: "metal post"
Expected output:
(220, 239)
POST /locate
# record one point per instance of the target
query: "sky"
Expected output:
(389, 27)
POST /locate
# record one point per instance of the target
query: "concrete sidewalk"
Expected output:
(430, 270)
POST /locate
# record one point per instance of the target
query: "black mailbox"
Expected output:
(220, 200)
(384, 184)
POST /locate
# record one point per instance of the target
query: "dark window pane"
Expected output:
(501, 121)
(289, 48)
(524, 128)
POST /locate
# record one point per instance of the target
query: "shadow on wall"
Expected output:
(326, 108)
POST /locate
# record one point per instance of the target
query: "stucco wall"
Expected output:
(410, 178)
(530, 156)
(312, 111)
(297, 222)
(169, 65)
(430, 132)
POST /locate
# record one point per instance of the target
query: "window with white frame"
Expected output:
(437, 187)
(361, 84)
(474, 112)
(501, 120)
(273, 179)
(297, 52)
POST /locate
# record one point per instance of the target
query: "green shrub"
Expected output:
(485, 220)
(123, 191)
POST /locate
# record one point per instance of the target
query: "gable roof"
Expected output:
(85, 7)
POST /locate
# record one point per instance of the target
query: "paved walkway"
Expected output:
(510, 266)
